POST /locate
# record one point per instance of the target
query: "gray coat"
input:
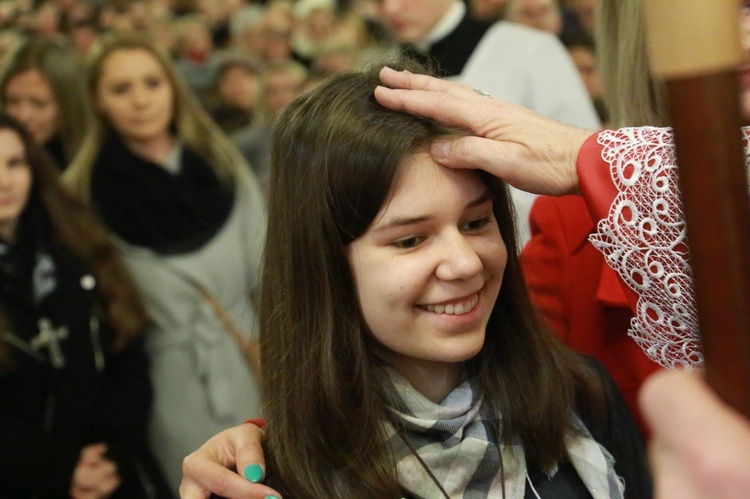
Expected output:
(202, 382)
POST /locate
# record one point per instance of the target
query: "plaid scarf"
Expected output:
(456, 441)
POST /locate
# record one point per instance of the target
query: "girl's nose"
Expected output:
(140, 96)
(459, 259)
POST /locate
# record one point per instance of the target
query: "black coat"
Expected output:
(51, 406)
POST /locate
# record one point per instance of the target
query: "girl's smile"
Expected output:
(454, 307)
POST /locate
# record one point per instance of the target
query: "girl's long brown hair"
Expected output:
(336, 155)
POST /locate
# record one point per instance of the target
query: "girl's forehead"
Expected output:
(423, 184)
(419, 170)
(139, 55)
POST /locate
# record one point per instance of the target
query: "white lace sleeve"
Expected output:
(643, 239)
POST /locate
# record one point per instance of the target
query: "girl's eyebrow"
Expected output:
(400, 222)
(481, 199)
(404, 221)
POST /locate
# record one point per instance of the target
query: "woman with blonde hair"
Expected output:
(189, 219)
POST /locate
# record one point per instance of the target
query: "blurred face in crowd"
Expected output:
(47, 19)
(276, 42)
(83, 37)
(585, 11)
(195, 42)
(281, 87)
(487, 9)
(133, 15)
(15, 182)
(135, 95)
(250, 40)
(29, 98)
(319, 24)
(238, 87)
(409, 21)
(585, 62)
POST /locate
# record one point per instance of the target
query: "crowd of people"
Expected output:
(392, 318)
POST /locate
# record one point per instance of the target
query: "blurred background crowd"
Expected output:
(245, 60)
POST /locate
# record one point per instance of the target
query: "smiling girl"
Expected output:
(400, 352)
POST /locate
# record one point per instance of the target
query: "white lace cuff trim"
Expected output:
(643, 240)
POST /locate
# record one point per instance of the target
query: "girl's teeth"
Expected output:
(458, 309)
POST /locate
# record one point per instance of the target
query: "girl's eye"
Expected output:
(477, 223)
(120, 89)
(408, 242)
(39, 103)
(153, 82)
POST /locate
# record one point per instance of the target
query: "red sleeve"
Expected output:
(598, 190)
(594, 179)
(544, 261)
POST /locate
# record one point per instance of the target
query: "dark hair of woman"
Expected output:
(336, 156)
(79, 231)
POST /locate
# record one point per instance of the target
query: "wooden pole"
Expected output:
(694, 45)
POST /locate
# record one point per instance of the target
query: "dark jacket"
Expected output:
(56, 399)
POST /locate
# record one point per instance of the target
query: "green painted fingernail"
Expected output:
(271, 497)
(254, 473)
